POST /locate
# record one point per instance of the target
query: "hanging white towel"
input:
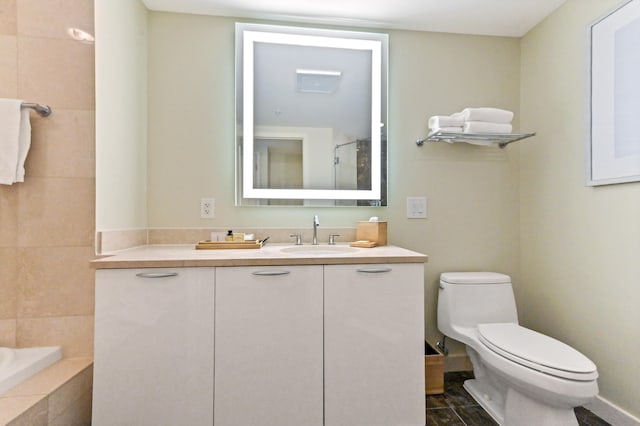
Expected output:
(485, 127)
(24, 143)
(15, 140)
(492, 115)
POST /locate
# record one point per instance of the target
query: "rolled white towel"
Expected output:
(440, 121)
(486, 127)
(491, 115)
(450, 129)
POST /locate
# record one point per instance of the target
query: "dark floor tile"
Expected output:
(456, 396)
(587, 418)
(475, 416)
(443, 417)
(436, 401)
(458, 376)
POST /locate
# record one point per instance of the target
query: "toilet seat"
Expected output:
(537, 351)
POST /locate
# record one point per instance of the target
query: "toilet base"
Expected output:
(488, 398)
(517, 409)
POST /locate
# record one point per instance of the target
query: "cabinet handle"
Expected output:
(270, 273)
(156, 274)
(374, 270)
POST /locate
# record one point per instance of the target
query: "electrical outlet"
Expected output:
(416, 207)
(207, 208)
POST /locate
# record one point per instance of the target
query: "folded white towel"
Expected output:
(439, 121)
(485, 127)
(492, 115)
(15, 140)
(451, 129)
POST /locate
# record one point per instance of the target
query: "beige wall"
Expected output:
(472, 191)
(580, 252)
(47, 222)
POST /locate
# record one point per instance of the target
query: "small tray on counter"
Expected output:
(221, 245)
(364, 244)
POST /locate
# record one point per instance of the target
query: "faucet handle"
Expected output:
(332, 239)
(298, 238)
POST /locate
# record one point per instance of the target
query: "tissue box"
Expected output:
(372, 231)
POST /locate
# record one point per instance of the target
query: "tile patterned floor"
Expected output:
(457, 408)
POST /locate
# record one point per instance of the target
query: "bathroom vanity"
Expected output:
(283, 335)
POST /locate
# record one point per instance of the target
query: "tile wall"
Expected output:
(47, 222)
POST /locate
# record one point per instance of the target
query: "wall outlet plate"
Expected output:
(207, 208)
(416, 207)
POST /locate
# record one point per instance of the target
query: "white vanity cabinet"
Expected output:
(327, 340)
(374, 345)
(269, 346)
(154, 354)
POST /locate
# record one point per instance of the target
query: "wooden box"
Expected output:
(433, 370)
(372, 231)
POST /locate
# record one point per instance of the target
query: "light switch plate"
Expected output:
(416, 207)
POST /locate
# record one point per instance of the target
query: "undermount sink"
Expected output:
(319, 250)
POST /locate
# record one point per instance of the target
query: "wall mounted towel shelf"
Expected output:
(42, 110)
(502, 139)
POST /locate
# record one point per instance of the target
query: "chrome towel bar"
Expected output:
(42, 110)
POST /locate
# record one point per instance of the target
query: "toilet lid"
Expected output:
(537, 351)
(475, 278)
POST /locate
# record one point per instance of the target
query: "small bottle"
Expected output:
(229, 236)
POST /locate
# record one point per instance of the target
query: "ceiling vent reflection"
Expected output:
(317, 81)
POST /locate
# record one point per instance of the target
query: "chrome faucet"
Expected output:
(316, 223)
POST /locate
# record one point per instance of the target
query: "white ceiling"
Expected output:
(489, 17)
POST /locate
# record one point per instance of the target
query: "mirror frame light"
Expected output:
(250, 38)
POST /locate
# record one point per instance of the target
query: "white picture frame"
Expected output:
(614, 97)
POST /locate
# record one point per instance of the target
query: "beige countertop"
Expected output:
(172, 256)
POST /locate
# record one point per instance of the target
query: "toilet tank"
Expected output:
(466, 299)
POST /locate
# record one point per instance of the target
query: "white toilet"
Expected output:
(521, 377)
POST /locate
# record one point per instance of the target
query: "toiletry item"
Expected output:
(218, 236)
(238, 236)
(249, 237)
(229, 236)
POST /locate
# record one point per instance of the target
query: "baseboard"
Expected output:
(611, 413)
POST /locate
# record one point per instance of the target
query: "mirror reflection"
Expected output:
(311, 116)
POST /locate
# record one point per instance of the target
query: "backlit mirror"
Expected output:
(311, 116)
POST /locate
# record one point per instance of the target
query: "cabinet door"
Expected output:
(374, 345)
(153, 361)
(268, 368)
